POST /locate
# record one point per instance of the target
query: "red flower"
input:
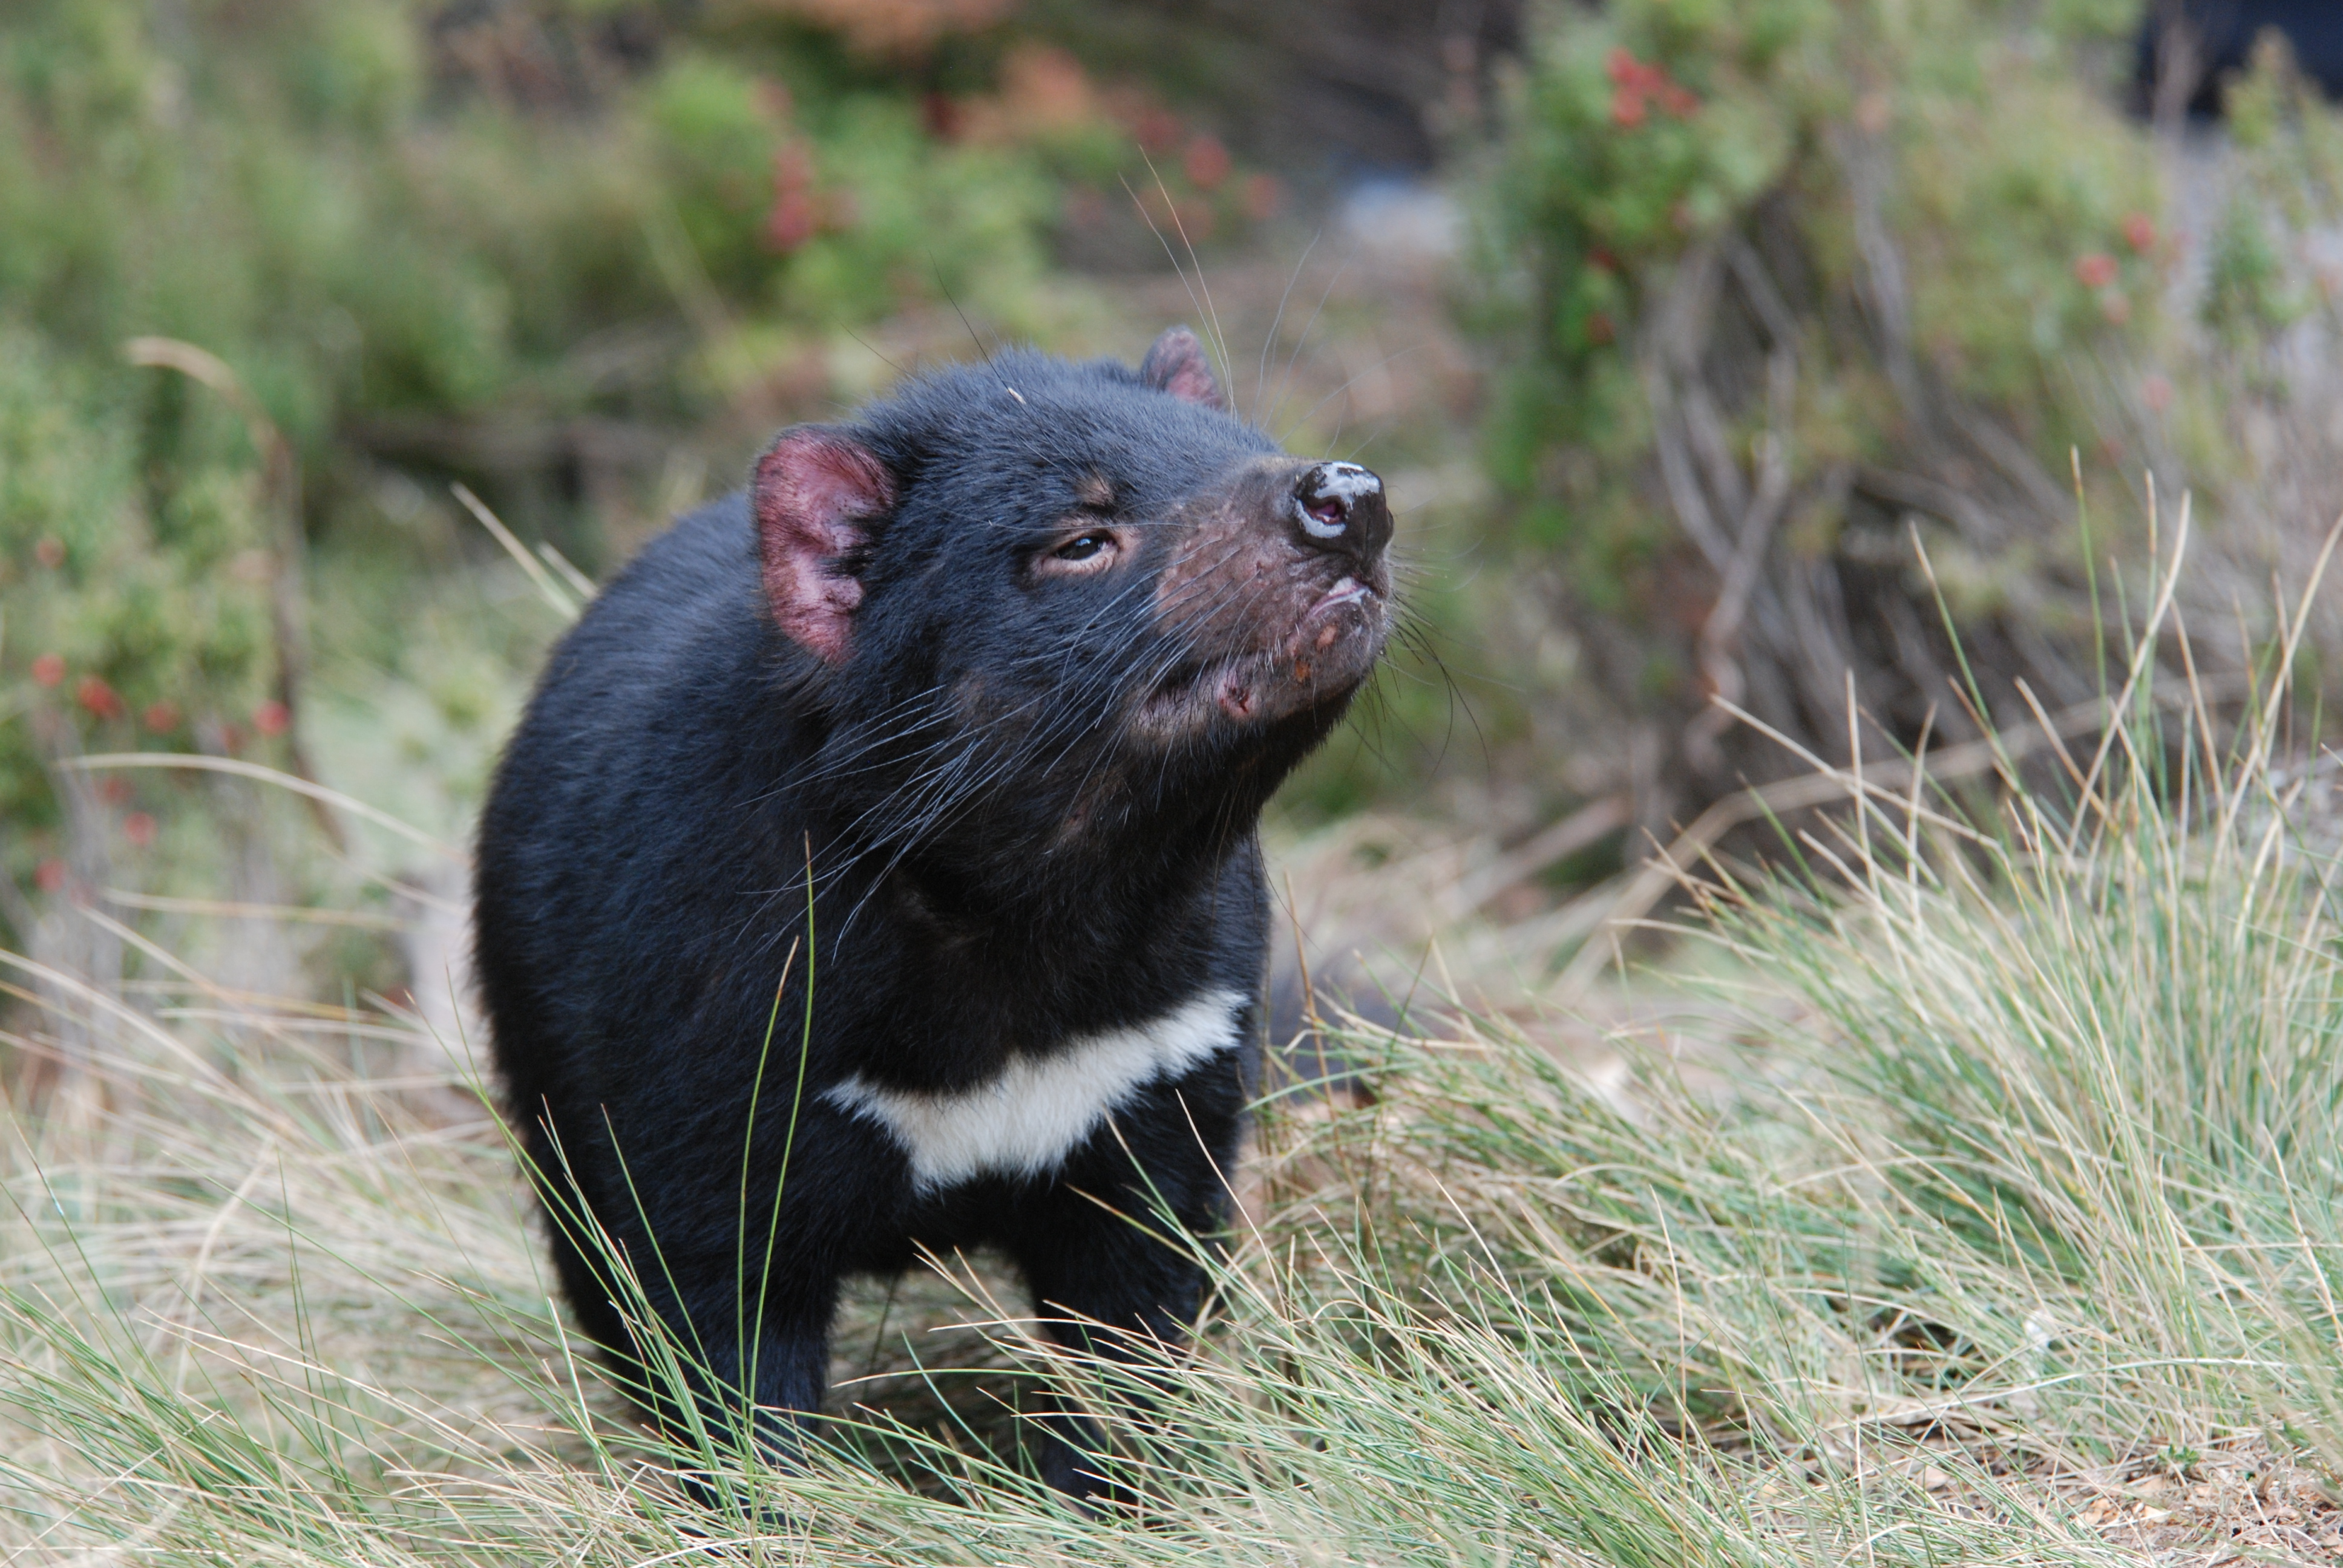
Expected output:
(1158, 131)
(1636, 84)
(942, 117)
(1626, 71)
(49, 876)
(2096, 270)
(1207, 162)
(139, 829)
(792, 222)
(796, 215)
(102, 700)
(2139, 232)
(49, 668)
(272, 718)
(1264, 196)
(162, 717)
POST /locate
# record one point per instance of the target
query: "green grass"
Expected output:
(2001, 1226)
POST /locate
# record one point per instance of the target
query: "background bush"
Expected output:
(1796, 283)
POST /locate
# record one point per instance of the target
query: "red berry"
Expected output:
(50, 553)
(139, 829)
(941, 117)
(1263, 196)
(2096, 270)
(162, 717)
(1626, 71)
(272, 718)
(1627, 108)
(793, 221)
(2139, 232)
(49, 668)
(1158, 131)
(102, 700)
(1207, 162)
(49, 876)
(796, 215)
(1194, 220)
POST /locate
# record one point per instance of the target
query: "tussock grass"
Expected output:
(2015, 1240)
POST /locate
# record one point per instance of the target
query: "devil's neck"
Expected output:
(1072, 892)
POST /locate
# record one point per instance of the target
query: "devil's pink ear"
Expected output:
(1177, 365)
(814, 492)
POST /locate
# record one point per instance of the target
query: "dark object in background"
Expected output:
(1006, 669)
(2187, 47)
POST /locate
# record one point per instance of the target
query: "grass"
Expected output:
(2001, 1226)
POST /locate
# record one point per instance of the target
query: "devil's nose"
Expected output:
(1341, 507)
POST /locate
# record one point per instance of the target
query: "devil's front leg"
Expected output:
(754, 1369)
(739, 1270)
(1111, 1248)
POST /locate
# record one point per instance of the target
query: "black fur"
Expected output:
(1008, 848)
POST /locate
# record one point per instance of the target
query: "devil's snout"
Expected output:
(1340, 506)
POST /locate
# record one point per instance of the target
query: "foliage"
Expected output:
(1789, 277)
(134, 571)
(2292, 185)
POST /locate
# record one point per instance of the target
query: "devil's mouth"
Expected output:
(1313, 662)
(1349, 590)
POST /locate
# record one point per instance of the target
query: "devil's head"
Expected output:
(1037, 605)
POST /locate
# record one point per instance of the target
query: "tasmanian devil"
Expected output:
(984, 692)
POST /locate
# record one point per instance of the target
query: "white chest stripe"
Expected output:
(1038, 1111)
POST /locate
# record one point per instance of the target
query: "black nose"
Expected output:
(1340, 506)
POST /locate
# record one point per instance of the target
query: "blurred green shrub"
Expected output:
(135, 574)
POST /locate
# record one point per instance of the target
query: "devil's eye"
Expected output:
(1081, 548)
